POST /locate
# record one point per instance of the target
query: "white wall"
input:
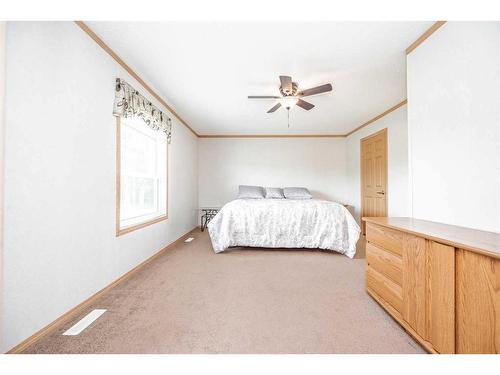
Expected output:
(329, 167)
(454, 125)
(316, 163)
(398, 200)
(60, 245)
(2, 127)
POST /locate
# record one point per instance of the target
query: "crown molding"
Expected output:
(431, 30)
(271, 135)
(377, 117)
(130, 71)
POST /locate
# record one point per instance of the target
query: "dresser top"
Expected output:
(487, 243)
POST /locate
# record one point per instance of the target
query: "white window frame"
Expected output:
(132, 224)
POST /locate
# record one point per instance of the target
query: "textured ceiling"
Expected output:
(205, 71)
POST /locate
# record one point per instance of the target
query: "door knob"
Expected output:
(381, 192)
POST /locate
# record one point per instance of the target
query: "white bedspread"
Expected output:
(285, 223)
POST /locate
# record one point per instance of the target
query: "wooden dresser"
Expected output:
(440, 282)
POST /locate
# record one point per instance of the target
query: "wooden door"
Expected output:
(374, 175)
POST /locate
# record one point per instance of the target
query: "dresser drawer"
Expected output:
(385, 262)
(387, 289)
(386, 238)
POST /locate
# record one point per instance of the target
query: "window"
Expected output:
(141, 175)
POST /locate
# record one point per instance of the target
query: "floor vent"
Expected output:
(84, 322)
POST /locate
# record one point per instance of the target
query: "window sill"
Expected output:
(131, 228)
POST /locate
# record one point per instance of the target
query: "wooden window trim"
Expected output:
(121, 231)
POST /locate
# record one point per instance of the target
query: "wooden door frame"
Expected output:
(383, 131)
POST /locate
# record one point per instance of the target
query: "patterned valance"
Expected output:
(129, 103)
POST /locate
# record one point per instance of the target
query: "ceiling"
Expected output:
(205, 71)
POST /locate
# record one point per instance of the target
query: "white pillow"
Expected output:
(274, 193)
(296, 193)
(251, 192)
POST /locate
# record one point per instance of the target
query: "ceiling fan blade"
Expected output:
(286, 84)
(263, 97)
(316, 90)
(274, 108)
(306, 105)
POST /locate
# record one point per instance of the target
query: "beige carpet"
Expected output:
(190, 300)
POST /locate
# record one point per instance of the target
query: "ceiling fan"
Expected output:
(290, 95)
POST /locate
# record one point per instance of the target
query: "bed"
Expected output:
(285, 223)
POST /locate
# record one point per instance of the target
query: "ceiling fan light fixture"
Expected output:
(291, 97)
(288, 101)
